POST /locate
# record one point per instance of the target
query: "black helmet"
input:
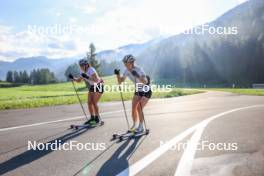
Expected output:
(129, 58)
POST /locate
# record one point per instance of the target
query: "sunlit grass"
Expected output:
(29, 96)
(258, 92)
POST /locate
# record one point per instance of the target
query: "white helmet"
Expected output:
(83, 62)
(129, 58)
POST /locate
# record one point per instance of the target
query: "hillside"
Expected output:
(58, 66)
(214, 59)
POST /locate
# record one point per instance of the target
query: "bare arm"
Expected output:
(78, 79)
(120, 79)
(94, 78)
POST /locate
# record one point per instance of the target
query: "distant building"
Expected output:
(258, 86)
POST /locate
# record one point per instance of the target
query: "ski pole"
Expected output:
(124, 107)
(79, 99)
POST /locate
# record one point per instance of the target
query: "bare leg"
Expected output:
(96, 98)
(142, 103)
(135, 103)
(90, 104)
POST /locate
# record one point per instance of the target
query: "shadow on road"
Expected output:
(25, 145)
(119, 160)
(32, 155)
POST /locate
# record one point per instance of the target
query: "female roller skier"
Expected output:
(96, 89)
(142, 93)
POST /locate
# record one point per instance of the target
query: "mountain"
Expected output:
(216, 60)
(189, 59)
(58, 66)
(119, 53)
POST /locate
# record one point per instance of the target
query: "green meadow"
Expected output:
(29, 96)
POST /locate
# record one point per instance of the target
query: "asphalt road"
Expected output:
(213, 133)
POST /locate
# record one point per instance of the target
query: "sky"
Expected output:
(65, 28)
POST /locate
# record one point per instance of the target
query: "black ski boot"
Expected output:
(91, 121)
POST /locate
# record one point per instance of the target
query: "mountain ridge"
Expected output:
(213, 59)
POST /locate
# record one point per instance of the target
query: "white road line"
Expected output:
(148, 159)
(38, 124)
(55, 121)
(185, 164)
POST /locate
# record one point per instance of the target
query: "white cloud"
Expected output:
(25, 44)
(114, 23)
(146, 20)
(5, 30)
(241, 1)
(72, 20)
(58, 14)
(87, 9)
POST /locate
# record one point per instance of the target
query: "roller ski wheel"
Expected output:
(121, 138)
(147, 131)
(115, 136)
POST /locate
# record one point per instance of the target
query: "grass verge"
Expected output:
(258, 92)
(28, 96)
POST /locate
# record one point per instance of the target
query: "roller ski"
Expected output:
(132, 133)
(93, 122)
(118, 135)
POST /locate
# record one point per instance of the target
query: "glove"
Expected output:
(70, 76)
(85, 76)
(117, 71)
(134, 73)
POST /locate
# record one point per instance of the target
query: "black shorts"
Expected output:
(147, 94)
(99, 88)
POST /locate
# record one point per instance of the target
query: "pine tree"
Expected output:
(9, 76)
(32, 77)
(16, 77)
(20, 77)
(91, 57)
(25, 77)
